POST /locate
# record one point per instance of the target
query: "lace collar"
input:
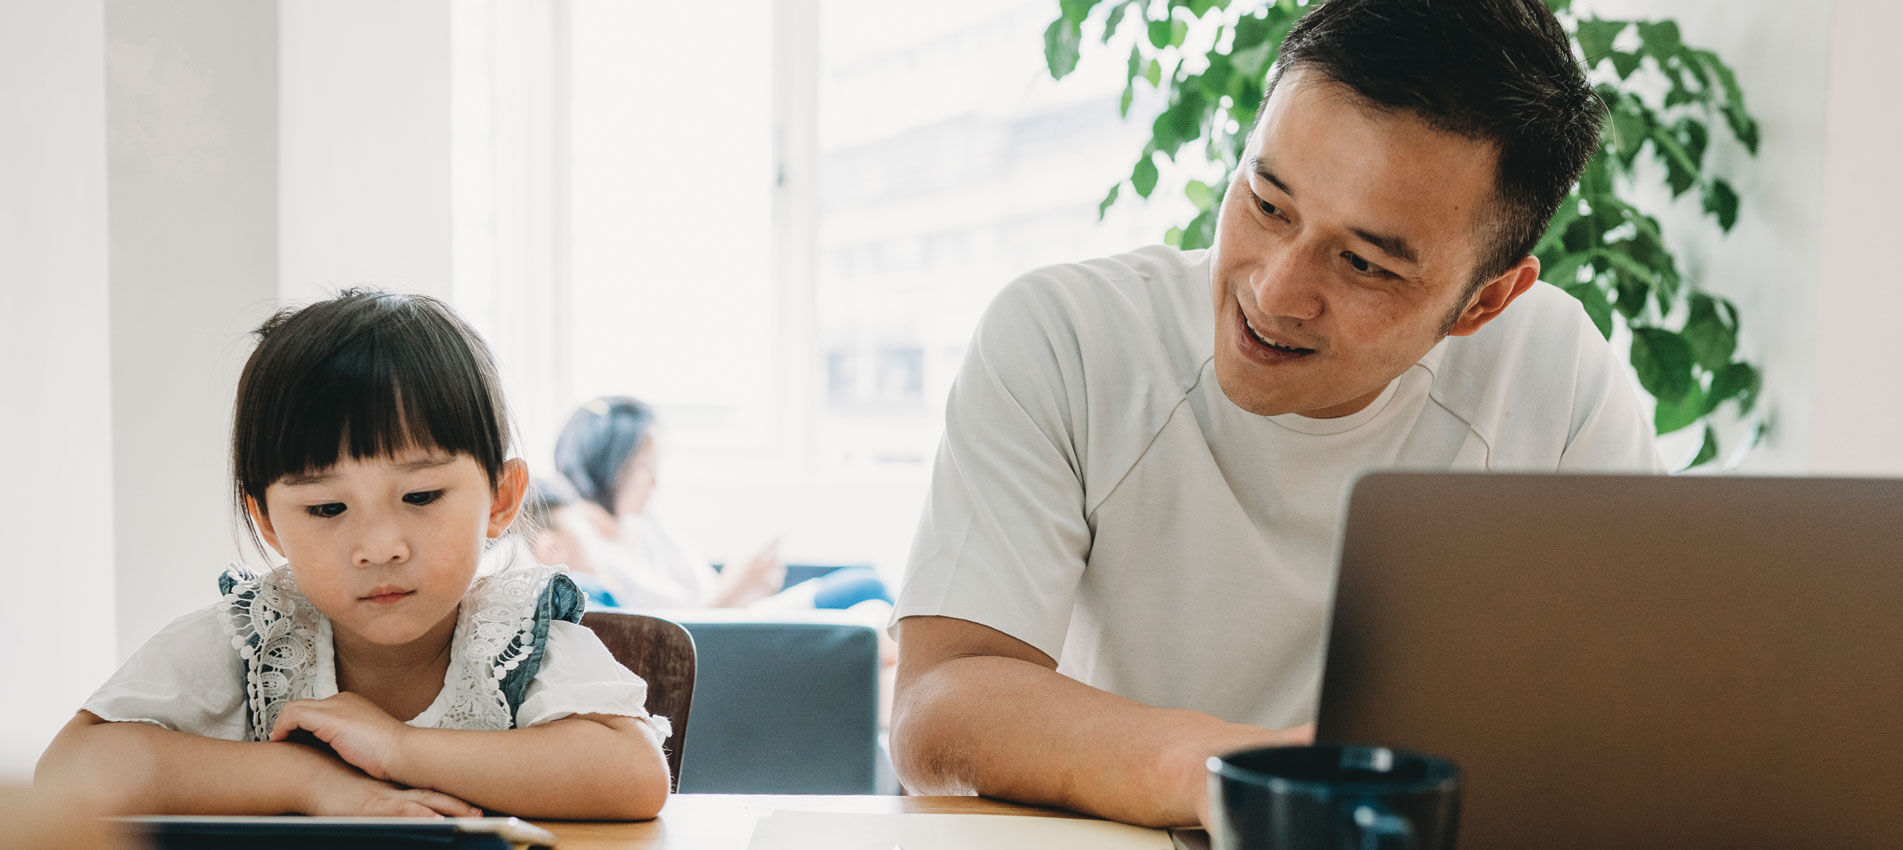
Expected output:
(285, 644)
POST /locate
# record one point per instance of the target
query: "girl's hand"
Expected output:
(355, 728)
(337, 789)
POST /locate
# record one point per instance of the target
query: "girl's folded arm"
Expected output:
(141, 768)
(582, 767)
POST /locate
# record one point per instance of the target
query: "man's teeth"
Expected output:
(1269, 342)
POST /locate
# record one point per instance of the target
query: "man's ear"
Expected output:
(510, 490)
(1492, 298)
(262, 521)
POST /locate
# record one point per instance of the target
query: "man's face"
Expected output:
(1345, 241)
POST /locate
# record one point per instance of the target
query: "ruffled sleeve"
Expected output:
(187, 678)
(579, 676)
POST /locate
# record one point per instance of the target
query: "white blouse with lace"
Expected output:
(202, 672)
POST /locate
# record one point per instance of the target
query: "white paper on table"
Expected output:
(794, 830)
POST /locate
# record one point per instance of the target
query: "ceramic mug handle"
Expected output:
(1376, 828)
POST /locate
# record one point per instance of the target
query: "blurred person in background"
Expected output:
(607, 454)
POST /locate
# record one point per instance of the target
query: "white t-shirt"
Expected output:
(1097, 496)
(189, 678)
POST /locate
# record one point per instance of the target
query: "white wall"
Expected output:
(364, 191)
(1858, 407)
(192, 161)
(56, 513)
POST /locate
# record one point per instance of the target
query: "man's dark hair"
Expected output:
(1499, 71)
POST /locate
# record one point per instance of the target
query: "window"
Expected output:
(780, 222)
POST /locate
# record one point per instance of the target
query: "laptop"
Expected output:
(1631, 662)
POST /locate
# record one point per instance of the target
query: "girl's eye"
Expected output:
(1362, 266)
(327, 510)
(423, 498)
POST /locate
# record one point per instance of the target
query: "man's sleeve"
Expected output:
(1003, 539)
(1610, 431)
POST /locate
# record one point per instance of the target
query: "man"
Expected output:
(1126, 560)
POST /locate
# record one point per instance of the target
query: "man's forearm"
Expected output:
(138, 768)
(575, 768)
(1007, 728)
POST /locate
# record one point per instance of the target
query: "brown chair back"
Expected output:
(661, 652)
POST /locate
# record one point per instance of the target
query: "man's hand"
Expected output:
(1244, 738)
(337, 789)
(360, 732)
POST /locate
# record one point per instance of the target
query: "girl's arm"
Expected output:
(139, 768)
(581, 767)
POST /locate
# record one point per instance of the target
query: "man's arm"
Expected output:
(979, 711)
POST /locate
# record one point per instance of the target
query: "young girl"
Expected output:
(402, 662)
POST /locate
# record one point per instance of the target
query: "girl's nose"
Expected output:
(383, 543)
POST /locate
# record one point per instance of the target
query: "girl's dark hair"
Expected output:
(597, 441)
(1500, 71)
(367, 374)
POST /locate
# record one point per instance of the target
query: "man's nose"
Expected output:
(382, 542)
(1283, 284)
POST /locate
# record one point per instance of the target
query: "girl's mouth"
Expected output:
(387, 595)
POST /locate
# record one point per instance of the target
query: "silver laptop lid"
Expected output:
(1627, 662)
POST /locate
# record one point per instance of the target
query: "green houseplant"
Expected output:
(1664, 99)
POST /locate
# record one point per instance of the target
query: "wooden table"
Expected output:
(725, 821)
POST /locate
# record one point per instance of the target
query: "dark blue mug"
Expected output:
(1332, 797)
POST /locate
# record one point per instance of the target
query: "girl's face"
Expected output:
(636, 482)
(386, 547)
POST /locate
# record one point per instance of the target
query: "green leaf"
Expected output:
(1661, 38)
(1115, 19)
(1202, 7)
(1597, 307)
(1624, 63)
(1736, 380)
(1201, 231)
(1104, 207)
(1153, 72)
(1199, 194)
(1706, 452)
(1252, 62)
(1722, 201)
(1173, 237)
(1134, 66)
(1711, 339)
(1744, 127)
(1673, 415)
(1628, 132)
(1075, 11)
(1143, 177)
(1160, 33)
(1179, 30)
(1664, 362)
(1123, 105)
(1681, 172)
(1061, 42)
(1595, 38)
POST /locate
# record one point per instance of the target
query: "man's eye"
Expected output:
(1267, 208)
(423, 498)
(327, 510)
(1362, 266)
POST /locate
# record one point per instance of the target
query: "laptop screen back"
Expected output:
(1691, 662)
